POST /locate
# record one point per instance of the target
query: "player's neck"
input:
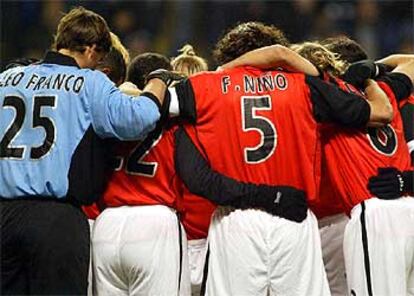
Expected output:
(78, 57)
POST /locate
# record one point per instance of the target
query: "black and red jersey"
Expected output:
(352, 156)
(261, 127)
(145, 174)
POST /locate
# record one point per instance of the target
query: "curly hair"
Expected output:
(321, 57)
(246, 37)
(188, 63)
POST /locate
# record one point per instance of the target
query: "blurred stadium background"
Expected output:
(382, 27)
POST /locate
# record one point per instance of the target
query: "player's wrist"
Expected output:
(407, 178)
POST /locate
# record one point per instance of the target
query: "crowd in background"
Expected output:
(382, 27)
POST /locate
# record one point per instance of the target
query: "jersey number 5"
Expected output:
(266, 128)
(19, 106)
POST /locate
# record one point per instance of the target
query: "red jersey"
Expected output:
(146, 173)
(196, 211)
(329, 202)
(353, 157)
(196, 215)
(259, 127)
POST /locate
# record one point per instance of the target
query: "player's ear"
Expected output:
(89, 51)
(105, 70)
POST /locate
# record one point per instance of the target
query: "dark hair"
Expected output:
(144, 64)
(349, 50)
(81, 27)
(116, 64)
(246, 37)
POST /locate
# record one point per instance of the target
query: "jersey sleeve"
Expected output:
(202, 180)
(117, 115)
(400, 84)
(331, 104)
(183, 96)
(407, 114)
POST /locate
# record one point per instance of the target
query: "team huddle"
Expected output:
(286, 171)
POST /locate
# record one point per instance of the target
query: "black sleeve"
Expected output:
(283, 201)
(335, 105)
(200, 179)
(407, 115)
(186, 100)
(400, 84)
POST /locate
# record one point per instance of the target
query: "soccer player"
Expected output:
(331, 202)
(369, 247)
(53, 117)
(115, 63)
(143, 192)
(196, 211)
(188, 62)
(250, 125)
(144, 64)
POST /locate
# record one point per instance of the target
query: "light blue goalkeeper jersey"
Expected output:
(53, 116)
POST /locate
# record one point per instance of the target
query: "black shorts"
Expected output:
(44, 248)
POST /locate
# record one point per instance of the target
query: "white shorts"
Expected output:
(90, 274)
(254, 253)
(197, 250)
(332, 230)
(136, 251)
(379, 248)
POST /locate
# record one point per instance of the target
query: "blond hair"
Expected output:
(117, 44)
(322, 58)
(188, 63)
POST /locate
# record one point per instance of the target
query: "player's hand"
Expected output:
(358, 72)
(168, 77)
(285, 202)
(390, 183)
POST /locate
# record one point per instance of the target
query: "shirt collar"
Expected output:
(53, 57)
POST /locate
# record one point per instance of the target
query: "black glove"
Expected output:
(391, 183)
(166, 76)
(283, 201)
(358, 72)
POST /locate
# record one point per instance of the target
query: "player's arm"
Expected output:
(130, 89)
(381, 111)
(115, 114)
(274, 56)
(335, 105)
(396, 60)
(200, 179)
(407, 115)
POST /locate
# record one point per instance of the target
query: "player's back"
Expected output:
(46, 129)
(353, 157)
(258, 126)
(145, 173)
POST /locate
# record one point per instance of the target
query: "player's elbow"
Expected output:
(381, 115)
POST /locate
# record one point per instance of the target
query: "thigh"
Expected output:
(59, 236)
(138, 249)
(237, 262)
(48, 244)
(295, 253)
(197, 251)
(332, 237)
(108, 276)
(14, 276)
(375, 246)
(156, 258)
